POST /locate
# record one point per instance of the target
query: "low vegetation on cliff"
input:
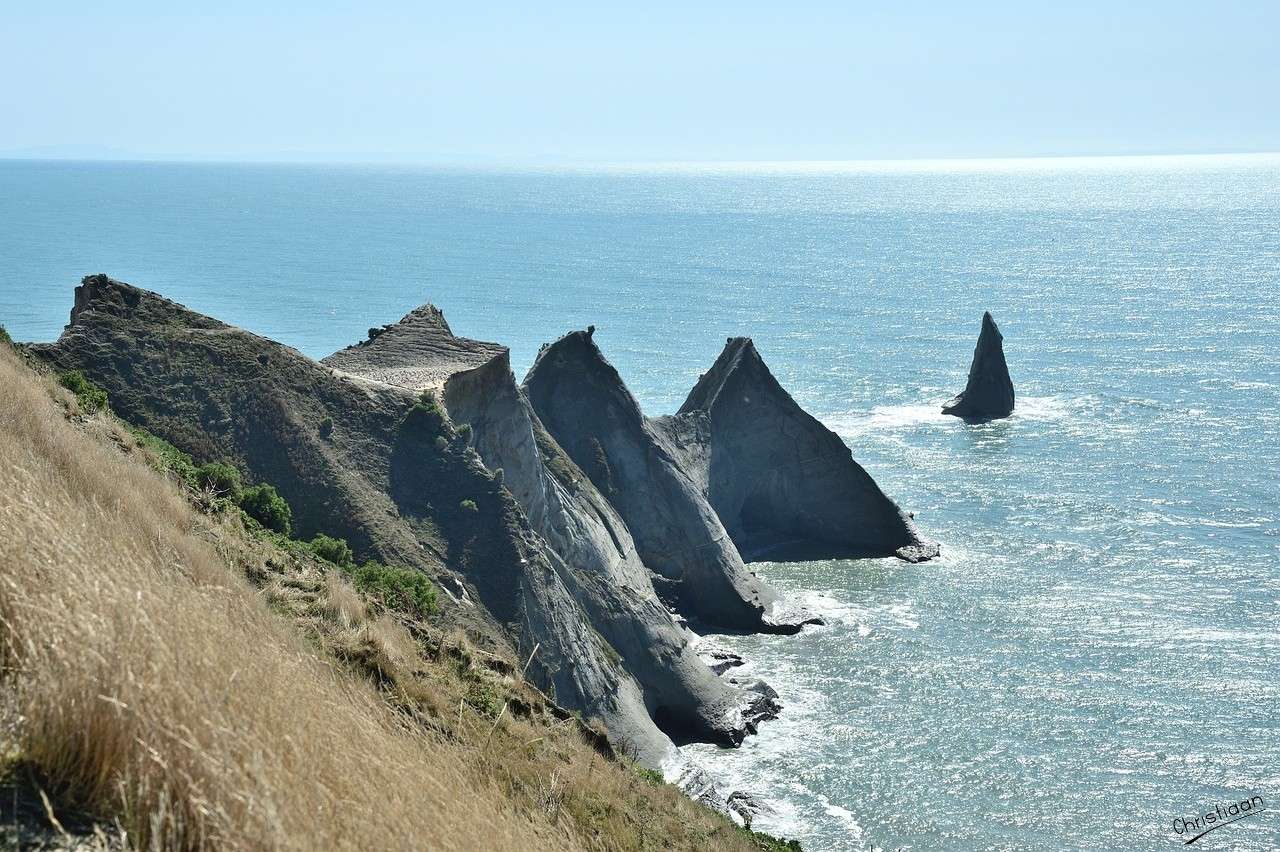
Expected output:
(174, 675)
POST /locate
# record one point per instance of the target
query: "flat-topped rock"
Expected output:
(785, 486)
(988, 395)
(420, 352)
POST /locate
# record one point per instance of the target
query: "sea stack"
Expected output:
(785, 486)
(988, 395)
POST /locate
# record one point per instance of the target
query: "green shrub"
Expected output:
(464, 432)
(91, 397)
(652, 776)
(401, 589)
(220, 478)
(326, 427)
(165, 456)
(4, 336)
(469, 506)
(482, 697)
(265, 505)
(335, 550)
(427, 415)
(427, 401)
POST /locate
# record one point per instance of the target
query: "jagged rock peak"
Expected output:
(739, 354)
(418, 352)
(988, 395)
(600, 561)
(784, 485)
(576, 357)
(424, 319)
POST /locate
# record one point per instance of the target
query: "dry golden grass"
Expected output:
(343, 604)
(152, 685)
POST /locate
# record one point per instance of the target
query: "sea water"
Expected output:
(1097, 652)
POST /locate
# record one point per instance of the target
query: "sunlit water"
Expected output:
(1098, 650)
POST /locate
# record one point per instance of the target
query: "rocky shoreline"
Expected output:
(563, 524)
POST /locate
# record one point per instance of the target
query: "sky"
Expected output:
(567, 83)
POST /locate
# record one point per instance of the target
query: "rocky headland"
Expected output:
(566, 528)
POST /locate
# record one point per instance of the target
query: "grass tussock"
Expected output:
(193, 684)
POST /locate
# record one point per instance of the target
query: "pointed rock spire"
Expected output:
(785, 486)
(989, 393)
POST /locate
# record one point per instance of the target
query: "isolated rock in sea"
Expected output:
(582, 531)
(364, 460)
(988, 395)
(638, 466)
(785, 486)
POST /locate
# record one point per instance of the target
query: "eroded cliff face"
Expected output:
(988, 395)
(785, 486)
(638, 467)
(578, 527)
(354, 457)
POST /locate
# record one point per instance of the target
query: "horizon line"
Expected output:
(961, 163)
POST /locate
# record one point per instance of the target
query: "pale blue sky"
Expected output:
(582, 83)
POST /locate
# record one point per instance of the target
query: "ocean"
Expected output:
(1097, 652)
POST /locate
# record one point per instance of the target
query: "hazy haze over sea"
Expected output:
(1098, 650)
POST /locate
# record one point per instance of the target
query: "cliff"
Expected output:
(640, 468)
(785, 486)
(364, 460)
(988, 395)
(582, 533)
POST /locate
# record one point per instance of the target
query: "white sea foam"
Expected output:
(887, 418)
(892, 418)
(844, 815)
(864, 619)
(753, 766)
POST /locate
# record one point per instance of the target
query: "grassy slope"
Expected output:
(199, 686)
